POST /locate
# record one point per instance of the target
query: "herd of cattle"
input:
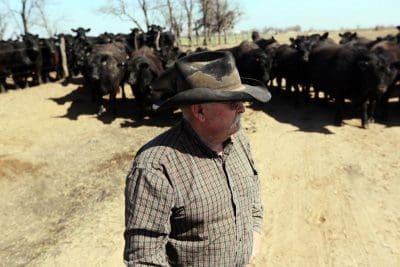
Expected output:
(362, 70)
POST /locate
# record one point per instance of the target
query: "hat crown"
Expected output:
(213, 70)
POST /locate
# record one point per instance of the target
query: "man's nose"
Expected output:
(240, 108)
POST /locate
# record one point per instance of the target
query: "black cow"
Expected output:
(136, 39)
(255, 35)
(391, 50)
(80, 33)
(143, 67)
(104, 73)
(14, 61)
(291, 62)
(51, 57)
(353, 73)
(352, 39)
(251, 61)
(34, 51)
(265, 43)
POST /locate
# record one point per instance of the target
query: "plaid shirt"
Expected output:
(187, 206)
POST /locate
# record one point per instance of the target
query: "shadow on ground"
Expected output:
(316, 117)
(82, 104)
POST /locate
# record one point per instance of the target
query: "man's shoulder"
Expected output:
(160, 146)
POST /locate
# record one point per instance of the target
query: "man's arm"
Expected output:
(148, 203)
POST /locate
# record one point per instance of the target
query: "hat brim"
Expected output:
(246, 92)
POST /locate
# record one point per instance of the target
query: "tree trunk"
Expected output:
(23, 17)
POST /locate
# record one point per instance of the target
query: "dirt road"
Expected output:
(331, 194)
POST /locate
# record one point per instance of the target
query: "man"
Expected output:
(193, 194)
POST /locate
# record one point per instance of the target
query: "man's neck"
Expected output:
(215, 143)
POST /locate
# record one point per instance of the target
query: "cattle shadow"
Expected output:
(159, 120)
(128, 109)
(307, 116)
(316, 117)
(72, 80)
(393, 118)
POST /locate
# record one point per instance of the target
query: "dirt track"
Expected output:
(331, 194)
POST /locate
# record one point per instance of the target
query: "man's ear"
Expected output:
(198, 112)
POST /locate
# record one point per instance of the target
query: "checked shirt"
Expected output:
(185, 205)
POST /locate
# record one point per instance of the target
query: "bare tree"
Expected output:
(175, 20)
(144, 7)
(206, 12)
(120, 9)
(127, 11)
(30, 13)
(188, 5)
(223, 18)
(40, 5)
(3, 24)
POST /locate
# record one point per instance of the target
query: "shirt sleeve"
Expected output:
(257, 207)
(148, 204)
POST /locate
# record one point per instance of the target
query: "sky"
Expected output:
(308, 14)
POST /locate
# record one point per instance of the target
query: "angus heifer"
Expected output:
(32, 44)
(391, 51)
(143, 67)
(104, 73)
(353, 73)
(251, 61)
(291, 62)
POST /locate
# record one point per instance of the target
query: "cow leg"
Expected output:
(45, 77)
(288, 86)
(296, 94)
(123, 91)
(2, 88)
(371, 111)
(113, 102)
(2, 85)
(102, 108)
(279, 82)
(339, 111)
(316, 94)
(364, 114)
(384, 103)
(19, 82)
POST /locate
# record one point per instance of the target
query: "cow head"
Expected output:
(255, 64)
(347, 37)
(378, 71)
(80, 33)
(32, 42)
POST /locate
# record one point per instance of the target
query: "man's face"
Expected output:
(223, 118)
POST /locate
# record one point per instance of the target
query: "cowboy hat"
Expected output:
(210, 76)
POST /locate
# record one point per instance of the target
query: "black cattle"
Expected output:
(105, 38)
(80, 51)
(143, 67)
(51, 57)
(80, 33)
(391, 50)
(291, 62)
(255, 35)
(34, 51)
(352, 39)
(104, 74)
(135, 39)
(353, 73)
(251, 61)
(265, 43)
(14, 61)
(152, 36)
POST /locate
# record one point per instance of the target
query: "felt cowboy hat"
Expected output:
(210, 76)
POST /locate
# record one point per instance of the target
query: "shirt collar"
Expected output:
(188, 129)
